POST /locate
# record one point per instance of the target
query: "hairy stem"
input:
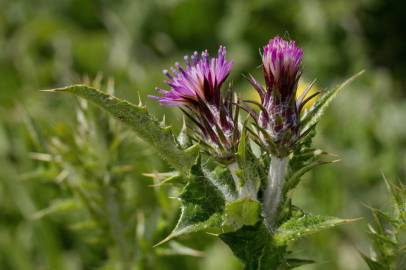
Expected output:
(273, 192)
(244, 190)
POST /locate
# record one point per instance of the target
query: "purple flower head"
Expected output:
(200, 80)
(196, 88)
(279, 117)
(281, 62)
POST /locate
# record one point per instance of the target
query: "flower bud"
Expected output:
(278, 121)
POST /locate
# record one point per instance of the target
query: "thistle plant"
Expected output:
(236, 175)
(388, 233)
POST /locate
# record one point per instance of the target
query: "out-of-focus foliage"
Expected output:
(49, 43)
(388, 233)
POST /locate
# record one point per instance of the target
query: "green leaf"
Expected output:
(373, 265)
(255, 248)
(386, 234)
(298, 227)
(383, 242)
(242, 212)
(183, 136)
(250, 169)
(294, 262)
(202, 205)
(304, 159)
(85, 225)
(317, 110)
(382, 220)
(398, 193)
(221, 178)
(166, 178)
(144, 125)
(59, 206)
(293, 180)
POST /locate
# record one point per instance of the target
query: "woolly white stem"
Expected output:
(273, 192)
(246, 190)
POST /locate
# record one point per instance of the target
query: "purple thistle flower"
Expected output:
(281, 62)
(200, 80)
(196, 89)
(279, 118)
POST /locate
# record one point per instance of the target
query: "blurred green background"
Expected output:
(50, 43)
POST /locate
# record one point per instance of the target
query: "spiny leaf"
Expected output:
(384, 241)
(145, 126)
(165, 178)
(202, 205)
(381, 218)
(304, 159)
(189, 224)
(221, 178)
(294, 179)
(386, 234)
(373, 265)
(255, 248)
(298, 227)
(314, 114)
(398, 193)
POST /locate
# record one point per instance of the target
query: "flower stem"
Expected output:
(273, 192)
